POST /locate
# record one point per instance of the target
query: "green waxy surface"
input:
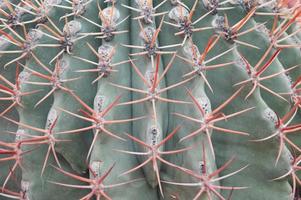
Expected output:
(144, 129)
(102, 149)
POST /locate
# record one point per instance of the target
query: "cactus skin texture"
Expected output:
(150, 99)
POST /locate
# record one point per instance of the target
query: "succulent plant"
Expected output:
(143, 99)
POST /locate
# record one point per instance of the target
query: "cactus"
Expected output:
(163, 99)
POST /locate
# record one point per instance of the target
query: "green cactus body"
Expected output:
(143, 99)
